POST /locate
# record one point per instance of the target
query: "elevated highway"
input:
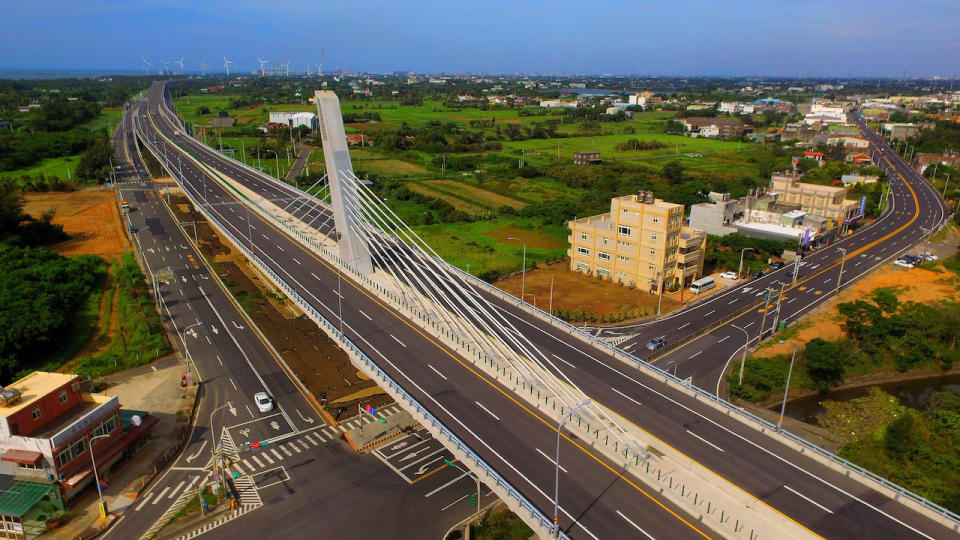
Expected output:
(596, 499)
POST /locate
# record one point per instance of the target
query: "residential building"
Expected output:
(853, 179)
(714, 127)
(587, 158)
(46, 427)
(825, 114)
(901, 132)
(949, 158)
(295, 119)
(825, 201)
(641, 242)
(556, 103)
(799, 131)
(715, 217)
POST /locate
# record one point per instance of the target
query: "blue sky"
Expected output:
(689, 37)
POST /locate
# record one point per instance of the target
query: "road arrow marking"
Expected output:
(214, 329)
(398, 446)
(275, 425)
(245, 432)
(237, 326)
(304, 418)
(426, 466)
(411, 455)
(183, 279)
(192, 333)
(195, 456)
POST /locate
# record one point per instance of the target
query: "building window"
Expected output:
(583, 236)
(31, 466)
(623, 258)
(583, 251)
(583, 267)
(604, 241)
(653, 237)
(621, 274)
(623, 244)
(71, 452)
(62, 397)
(624, 231)
(656, 220)
(603, 272)
(653, 251)
(650, 267)
(603, 256)
(105, 427)
(36, 412)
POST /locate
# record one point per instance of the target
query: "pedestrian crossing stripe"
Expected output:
(295, 447)
(276, 454)
(285, 451)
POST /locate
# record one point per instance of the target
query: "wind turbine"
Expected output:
(203, 67)
(180, 61)
(166, 66)
(226, 64)
(286, 69)
(262, 64)
(146, 65)
(319, 70)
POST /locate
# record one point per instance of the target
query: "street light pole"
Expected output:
(674, 362)
(843, 259)
(556, 476)
(213, 441)
(183, 338)
(466, 472)
(746, 345)
(660, 290)
(740, 268)
(96, 476)
(523, 273)
(783, 406)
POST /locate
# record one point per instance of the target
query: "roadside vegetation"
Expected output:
(880, 333)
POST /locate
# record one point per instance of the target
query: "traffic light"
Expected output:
(473, 499)
(448, 463)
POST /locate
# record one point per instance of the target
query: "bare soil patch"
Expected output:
(576, 291)
(91, 216)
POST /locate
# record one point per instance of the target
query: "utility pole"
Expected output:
(843, 259)
(551, 295)
(776, 318)
(766, 308)
(746, 345)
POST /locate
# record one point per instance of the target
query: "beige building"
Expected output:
(825, 201)
(638, 240)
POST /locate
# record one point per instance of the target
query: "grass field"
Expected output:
(47, 167)
(466, 193)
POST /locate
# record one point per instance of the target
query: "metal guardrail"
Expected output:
(489, 471)
(698, 392)
(730, 407)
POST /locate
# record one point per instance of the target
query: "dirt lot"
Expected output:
(315, 359)
(92, 216)
(574, 291)
(916, 284)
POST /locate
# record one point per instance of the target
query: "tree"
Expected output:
(824, 362)
(675, 127)
(673, 172)
(203, 109)
(899, 439)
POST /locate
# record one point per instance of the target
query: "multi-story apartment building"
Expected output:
(47, 427)
(641, 242)
(825, 201)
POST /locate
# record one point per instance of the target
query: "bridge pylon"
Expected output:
(343, 190)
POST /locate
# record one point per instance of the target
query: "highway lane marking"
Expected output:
(808, 499)
(683, 326)
(710, 313)
(160, 496)
(314, 275)
(696, 354)
(208, 340)
(296, 261)
(704, 440)
(437, 372)
(218, 359)
(724, 339)
(445, 485)
(336, 293)
(398, 341)
(232, 383)
(626, 396)
(280, 248)
(635, 526)
(732, 301)
(749, 325)
(145, 501)
(564, 361)
(488, 410)
(603, 463)
(176, 489)
(550, 459)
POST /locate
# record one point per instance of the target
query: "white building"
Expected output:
(556, 103)
(294, 119)
(825, 114)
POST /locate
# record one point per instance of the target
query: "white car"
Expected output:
(902, 263)
(264, 402)
(927, 256)
(729, 275)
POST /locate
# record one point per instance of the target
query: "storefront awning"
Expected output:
(25, 457)
(20, 497)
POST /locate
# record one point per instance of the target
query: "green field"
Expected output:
(48, 167)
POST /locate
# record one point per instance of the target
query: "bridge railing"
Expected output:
(730, 408)
(499, 483)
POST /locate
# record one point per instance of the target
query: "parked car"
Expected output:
(757, 274)
(903, 264)
(729, 275)
(656, 343)
(777, 265)
(912, 259)
(263, 401)
(927, 256)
